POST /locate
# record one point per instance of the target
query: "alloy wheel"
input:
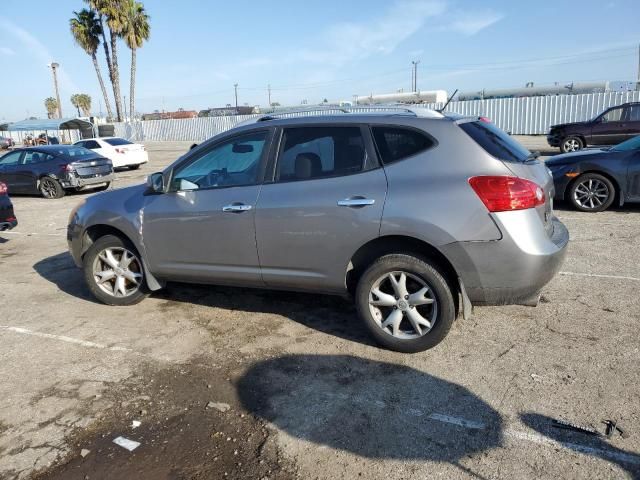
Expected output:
(403, 305)
(48, 188)
(571, 145)
(117, 272)
(591, 193)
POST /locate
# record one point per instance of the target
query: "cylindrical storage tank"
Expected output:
(428, 96)
(560, 89)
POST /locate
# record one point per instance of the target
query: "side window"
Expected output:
(633, 113)
(315, 152)
(232, 163)
(397, 143)
(91, 144)
(612, 115)
(35, 157)
(80, 144)
(10, 158)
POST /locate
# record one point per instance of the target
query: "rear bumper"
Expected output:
(514, 269)
(78, 182)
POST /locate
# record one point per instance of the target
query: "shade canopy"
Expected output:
(46, 124)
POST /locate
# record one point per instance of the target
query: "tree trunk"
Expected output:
(104, 90)
(116, 76)
(106, 48)
(132, 85)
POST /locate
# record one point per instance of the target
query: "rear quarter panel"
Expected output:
(429, 196)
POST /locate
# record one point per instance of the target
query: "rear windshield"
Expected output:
(117, 141)
(495, 141)
(74, 152)
(632, 144)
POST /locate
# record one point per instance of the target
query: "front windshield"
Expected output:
(631, 144)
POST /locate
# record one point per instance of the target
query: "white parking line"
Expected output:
(614, 277)
(63, 338)
(33, 234)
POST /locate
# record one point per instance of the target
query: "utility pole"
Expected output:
(269, 93)
(54, 66)
(235, 87)
(414, 86)
(638, 78)
(125, 107)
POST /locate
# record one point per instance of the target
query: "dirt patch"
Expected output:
(180, 437)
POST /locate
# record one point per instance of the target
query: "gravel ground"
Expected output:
(308, 394)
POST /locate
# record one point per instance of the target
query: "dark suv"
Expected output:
(611, 127)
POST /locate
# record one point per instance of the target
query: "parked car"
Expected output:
(7, 217)
(418, 217)
(6, 142)
(611, 127)
(121, 152)
(52, 169)
(592, 180)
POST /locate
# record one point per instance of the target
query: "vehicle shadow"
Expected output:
(369, 408)
(60, 270)
(328, 314)
(595, 446)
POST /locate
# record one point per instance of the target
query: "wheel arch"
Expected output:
(619, 192)
(380, 246)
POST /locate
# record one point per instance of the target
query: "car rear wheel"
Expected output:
(134, 167)
(592, 192)
(50, 188)
(571, 144)
(114, 272)
(405, 303)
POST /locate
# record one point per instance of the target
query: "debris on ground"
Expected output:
(611, 427)
(84, 452)
(576, 428)
(130, 445)
(135, 423)
(221, 407)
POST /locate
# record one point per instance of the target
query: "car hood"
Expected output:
(129, 199)
(568, 125)
(575, 157)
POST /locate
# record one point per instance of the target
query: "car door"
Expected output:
(31, 167)
(632, 121)
(202, 229)
(324, 201)
(633, 176)
(609, 128)
(8, 167)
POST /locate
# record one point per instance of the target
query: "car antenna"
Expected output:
(447, 102)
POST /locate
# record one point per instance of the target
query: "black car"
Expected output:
(593, 179)
(6, 142)
(7, 217)
(611, 127)
(52, 169)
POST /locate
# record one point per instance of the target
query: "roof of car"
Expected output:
(52, 149)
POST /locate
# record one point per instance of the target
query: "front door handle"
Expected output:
(236, 208)
(356, 202)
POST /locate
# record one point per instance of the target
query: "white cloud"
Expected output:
(470, 24)
(7, 51)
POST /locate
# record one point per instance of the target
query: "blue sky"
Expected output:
(320, 49)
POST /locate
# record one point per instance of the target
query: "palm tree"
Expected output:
(86, 29)
(136, 31)
(75, 101)
(113, 12)
(51, 104)
(82, 101)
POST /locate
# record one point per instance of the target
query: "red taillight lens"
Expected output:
(3, 188)
(119, 150)
(67, 167)
(485, 119)
(503, 193)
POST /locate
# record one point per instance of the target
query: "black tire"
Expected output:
(50, 188)
(422, 270)
(571, 144)
(135, 167)
(600, 186)
(112, 241)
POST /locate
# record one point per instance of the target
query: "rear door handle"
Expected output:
(236, 208)
(356, 202)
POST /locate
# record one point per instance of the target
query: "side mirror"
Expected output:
(155, 182)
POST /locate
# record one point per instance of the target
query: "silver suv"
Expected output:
(419, 216)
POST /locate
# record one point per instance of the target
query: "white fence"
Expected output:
(519, 116)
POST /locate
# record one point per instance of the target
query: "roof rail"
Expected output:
(411, 110)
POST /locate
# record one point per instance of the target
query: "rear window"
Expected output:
(495, 142)
(74, 152)
(117, 141)
(397, 143)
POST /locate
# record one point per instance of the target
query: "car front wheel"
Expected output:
(592, 192)
(405, 303)
(114, 272)
(571, 144)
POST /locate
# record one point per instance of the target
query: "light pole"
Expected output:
(54, 67)
(414, 87)
(235, 87)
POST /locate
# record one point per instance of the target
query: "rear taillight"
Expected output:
(503, 193)
(3, 188)
(485, 119)
(67, 167)
(119, 150)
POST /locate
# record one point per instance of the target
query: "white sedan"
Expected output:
(121, 152)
